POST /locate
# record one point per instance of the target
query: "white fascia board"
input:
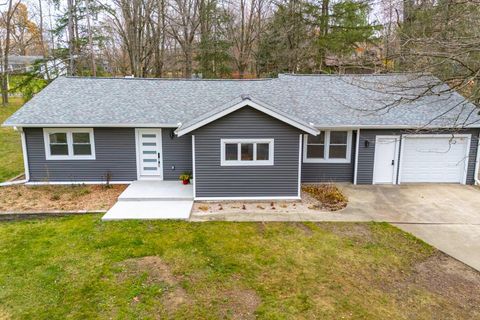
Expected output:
(96, 125)
(392, 126)
(247, 102)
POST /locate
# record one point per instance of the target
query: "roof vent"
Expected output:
(245, 97)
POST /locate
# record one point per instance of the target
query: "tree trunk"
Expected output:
(71, 38)
(6, 51)
(90, 39)
(42, 41)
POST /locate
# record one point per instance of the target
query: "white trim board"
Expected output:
(93, 125)
(244, 198)
(247, 103)
(41, 183)
(300, 165)
(193, 167)
(25, 156)
(477, 164)
(357, 148)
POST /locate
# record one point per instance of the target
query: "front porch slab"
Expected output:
(153, 200)
(157, 190)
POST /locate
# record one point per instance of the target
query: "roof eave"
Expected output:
(91, 125)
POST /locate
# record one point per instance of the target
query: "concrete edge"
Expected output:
(19, 215)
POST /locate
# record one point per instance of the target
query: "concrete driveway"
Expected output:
(445, 216)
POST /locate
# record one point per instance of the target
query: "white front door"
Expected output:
(149, 153)
(385, 160)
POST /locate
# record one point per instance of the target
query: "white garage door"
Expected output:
(434, 159)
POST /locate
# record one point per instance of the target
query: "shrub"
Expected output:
(329, 195)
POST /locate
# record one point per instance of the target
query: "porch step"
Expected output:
(153, 198)
(157, 190)
(149, 210)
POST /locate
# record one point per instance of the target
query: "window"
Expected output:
(69, 144)
(240, 152)
(328, 146)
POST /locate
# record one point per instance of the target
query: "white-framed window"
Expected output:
(69, 144)
(329, 146)
(246, 152)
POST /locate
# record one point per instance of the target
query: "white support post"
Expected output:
(357, 147)
(300, 166)
(193, 168)
(477, 164)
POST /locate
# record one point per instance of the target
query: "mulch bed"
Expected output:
(48, 199)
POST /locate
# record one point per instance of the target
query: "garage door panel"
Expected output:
(433, 159)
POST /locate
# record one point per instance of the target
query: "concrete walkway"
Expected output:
(445, 216)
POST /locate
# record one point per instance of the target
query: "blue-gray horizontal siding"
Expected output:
(114, 150)
(214, 180)
(177, 154)
(366, 155)
(330, 172)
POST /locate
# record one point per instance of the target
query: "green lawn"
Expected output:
(10, 145)
(81, 268)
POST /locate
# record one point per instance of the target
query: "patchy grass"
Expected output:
(329, 195)
(10, 144)
(80, 268)
(48, 198)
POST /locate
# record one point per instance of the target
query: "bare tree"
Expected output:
(90, 38)
(183, 22)
(71, 37)
(7, 21)
(243, 30)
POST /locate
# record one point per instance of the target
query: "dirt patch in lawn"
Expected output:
(22, 198)
(302, 226)
(239, 304)
(157, 272)
(451, 279)
(359, 232)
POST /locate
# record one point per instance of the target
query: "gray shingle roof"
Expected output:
(401, 100)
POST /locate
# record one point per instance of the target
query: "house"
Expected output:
(24, 64)
(20, 64)
(250, 139)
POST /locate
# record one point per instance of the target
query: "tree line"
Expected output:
(246, 38)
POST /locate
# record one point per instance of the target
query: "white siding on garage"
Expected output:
(441, 159)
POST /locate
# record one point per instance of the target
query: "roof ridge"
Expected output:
(164, 79)
(351, 74)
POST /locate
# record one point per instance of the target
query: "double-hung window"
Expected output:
(328, 146)
(69, 144)
(244, 152)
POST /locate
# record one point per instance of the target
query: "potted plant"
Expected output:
(185, 177)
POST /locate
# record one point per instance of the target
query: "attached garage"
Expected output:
(434, 158)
